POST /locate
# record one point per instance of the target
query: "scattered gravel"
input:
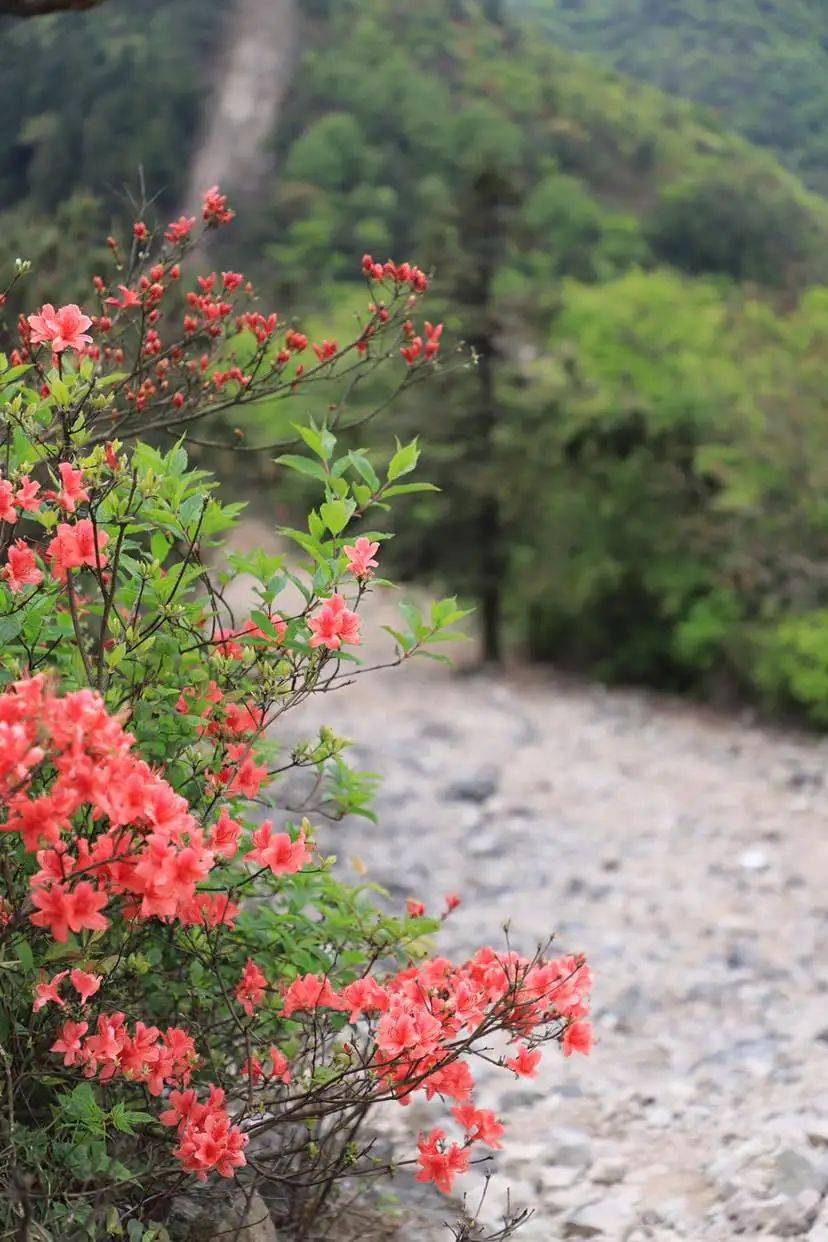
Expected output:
(686, 854)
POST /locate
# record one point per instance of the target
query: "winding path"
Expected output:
(252, 78)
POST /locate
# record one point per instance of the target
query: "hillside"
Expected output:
(373, 158)
(87, 98)
(634, 473)
(372, 162)
(762, 63)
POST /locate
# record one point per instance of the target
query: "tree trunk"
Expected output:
(36, 8)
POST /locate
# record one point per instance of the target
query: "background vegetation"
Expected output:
(763, 66)
(642, 287)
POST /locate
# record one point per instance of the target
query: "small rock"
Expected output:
(753, 860)
(557, 1177)
(659, 1118)
(800, 779)
(250, 1223)
(819, 1229)
(630, 1008)
(816, 1132)
(602, 1218)
(522, 1156)
(569, 1147)
(795, 1172)
(608, 1171)
(477, 788)
(795, 1216)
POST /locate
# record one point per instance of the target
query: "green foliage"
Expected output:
(629, 452)
(682, 543)
(763, 64)
(142, 619)
(90, 97)
(589, 166)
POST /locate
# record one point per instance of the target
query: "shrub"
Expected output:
(748, 227)
(189, 991)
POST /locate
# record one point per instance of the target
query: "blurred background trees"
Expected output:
(644, 433)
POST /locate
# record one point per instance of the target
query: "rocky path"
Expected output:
(251, 79)
(687, 855)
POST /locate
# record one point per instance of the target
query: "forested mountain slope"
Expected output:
(374, 157)
(634, 474)
(762, 63)
(392, 109)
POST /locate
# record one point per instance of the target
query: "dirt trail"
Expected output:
(687, 854)
(251, 80)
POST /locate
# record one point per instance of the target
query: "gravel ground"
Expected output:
(686, 854)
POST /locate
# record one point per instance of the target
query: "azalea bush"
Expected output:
(190, 996)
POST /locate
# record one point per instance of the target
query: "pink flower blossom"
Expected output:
(179, 230)
(525, 1064)
(364, 996)
(480, 1124)
(250, 990)
(280, 1066)
(215, 210)
(310, 992)
(26, 495)
(85, 985)
(277, 851)
(361, 557)
(128, 298)
(72, 491)
(69, 1041)
(61, 329)
(440, 1162)
(62, 910)
(46, 992)
(578, 1037)
(8, 513)
(334, 624)
(74, 546)
(21, 569)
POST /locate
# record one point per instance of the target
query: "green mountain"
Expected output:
(763, 64)
(390, 109)
(635, 471)
(654, 177)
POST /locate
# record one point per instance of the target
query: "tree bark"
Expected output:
(36, 8)
(485, 238)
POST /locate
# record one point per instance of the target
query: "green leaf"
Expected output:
(159, 546)
(403, 640)
(11, 626)
(307, 542)
(264, 623)
(404, 460)
(115, 377)
(25, 956)
(322, 442)
(125, 1119)
(59, 390)
(403, 489)
(302, 465)
(13, 373)
(413, 616)
(80, 1106)
(336, 514)
(364, 468)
